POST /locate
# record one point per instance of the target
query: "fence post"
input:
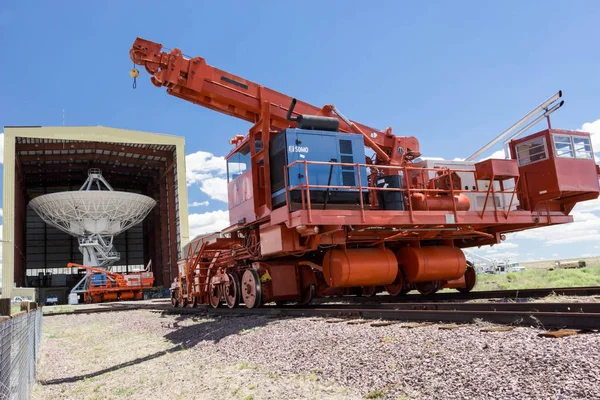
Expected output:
(5, 307)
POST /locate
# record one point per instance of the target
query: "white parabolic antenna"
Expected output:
(94, 214)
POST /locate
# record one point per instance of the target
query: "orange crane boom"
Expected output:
(193, 80)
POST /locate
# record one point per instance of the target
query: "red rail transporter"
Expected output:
(303, 227)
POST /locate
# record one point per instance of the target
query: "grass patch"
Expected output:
(536, 278)
(245, 365)
(125, 392)
(389, 339)
(58, 309)
(375, 394)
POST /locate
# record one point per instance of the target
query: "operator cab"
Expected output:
(557, 169)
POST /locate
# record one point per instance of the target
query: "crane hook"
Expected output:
(134, 73)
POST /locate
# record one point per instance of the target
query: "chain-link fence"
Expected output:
(20, 338)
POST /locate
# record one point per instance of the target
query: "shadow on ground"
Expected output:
(183, 337)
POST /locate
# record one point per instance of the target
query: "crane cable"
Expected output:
(134, 73)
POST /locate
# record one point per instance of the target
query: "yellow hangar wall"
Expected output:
(84, 134)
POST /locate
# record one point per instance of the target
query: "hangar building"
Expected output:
(40, 160)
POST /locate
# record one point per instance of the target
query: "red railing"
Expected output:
(408, 173)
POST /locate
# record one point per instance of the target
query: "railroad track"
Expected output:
(488, 294)
(444, 308)
(541, 315)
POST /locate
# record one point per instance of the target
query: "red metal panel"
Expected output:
(240, 196)
(498, 169)
(283, 276)
(277, 238)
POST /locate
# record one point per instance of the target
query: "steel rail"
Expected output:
(490, 294)
(540, 315)
(539, 319)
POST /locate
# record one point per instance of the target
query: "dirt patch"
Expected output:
(143, 354)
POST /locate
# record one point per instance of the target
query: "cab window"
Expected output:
(566, 146)
(238, 163)
(531, 151)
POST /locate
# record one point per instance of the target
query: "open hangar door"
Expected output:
(44, 165)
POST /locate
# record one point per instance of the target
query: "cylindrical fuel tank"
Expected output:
(359, 267)
(126, 295)
(109, 296)
(432, 263)
(423, 202)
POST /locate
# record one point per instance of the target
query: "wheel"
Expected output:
(308, 294)
(470, 278)
(232, 291)
(183, 302)
(397, 288)
(174, 301)
(193, 302)
(427, 288)
(251, 288)
(368, 291)
(214, 295)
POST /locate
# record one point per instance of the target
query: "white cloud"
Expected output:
(2, 148)
(208, 222)
(215, 188)
(209, 173)
(194, 204)
(498, 154)
(1, 213)
(585, 228)
(593, 128)
(588, 206)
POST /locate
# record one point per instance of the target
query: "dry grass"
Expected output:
(117, 356)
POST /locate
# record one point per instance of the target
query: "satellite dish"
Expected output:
(94, 214)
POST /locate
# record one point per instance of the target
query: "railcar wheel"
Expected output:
(308, 294)
(368, 291)
(232, 291)
(193, 302)
(251, 288)
(470, 278)
(427, 288)
(214, 295)
(174, 301)
(397, 288)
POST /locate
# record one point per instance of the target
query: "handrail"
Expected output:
(306, 186)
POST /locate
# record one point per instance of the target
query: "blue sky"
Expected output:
(454, 74)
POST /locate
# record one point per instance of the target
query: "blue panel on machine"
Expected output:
(311, 145)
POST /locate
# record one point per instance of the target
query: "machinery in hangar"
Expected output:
(43, 160)
(95, 214)
(313, 214)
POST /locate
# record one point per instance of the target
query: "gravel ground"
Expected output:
(143, 354)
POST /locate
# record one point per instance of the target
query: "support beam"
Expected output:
(172, 222)
(164, 230)
(120, 148)
(116, 159)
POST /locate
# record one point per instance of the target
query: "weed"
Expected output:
(252, 387)
(375, 394)
(389, 339)
(125, 392)
(245, 365)
(249, 397)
